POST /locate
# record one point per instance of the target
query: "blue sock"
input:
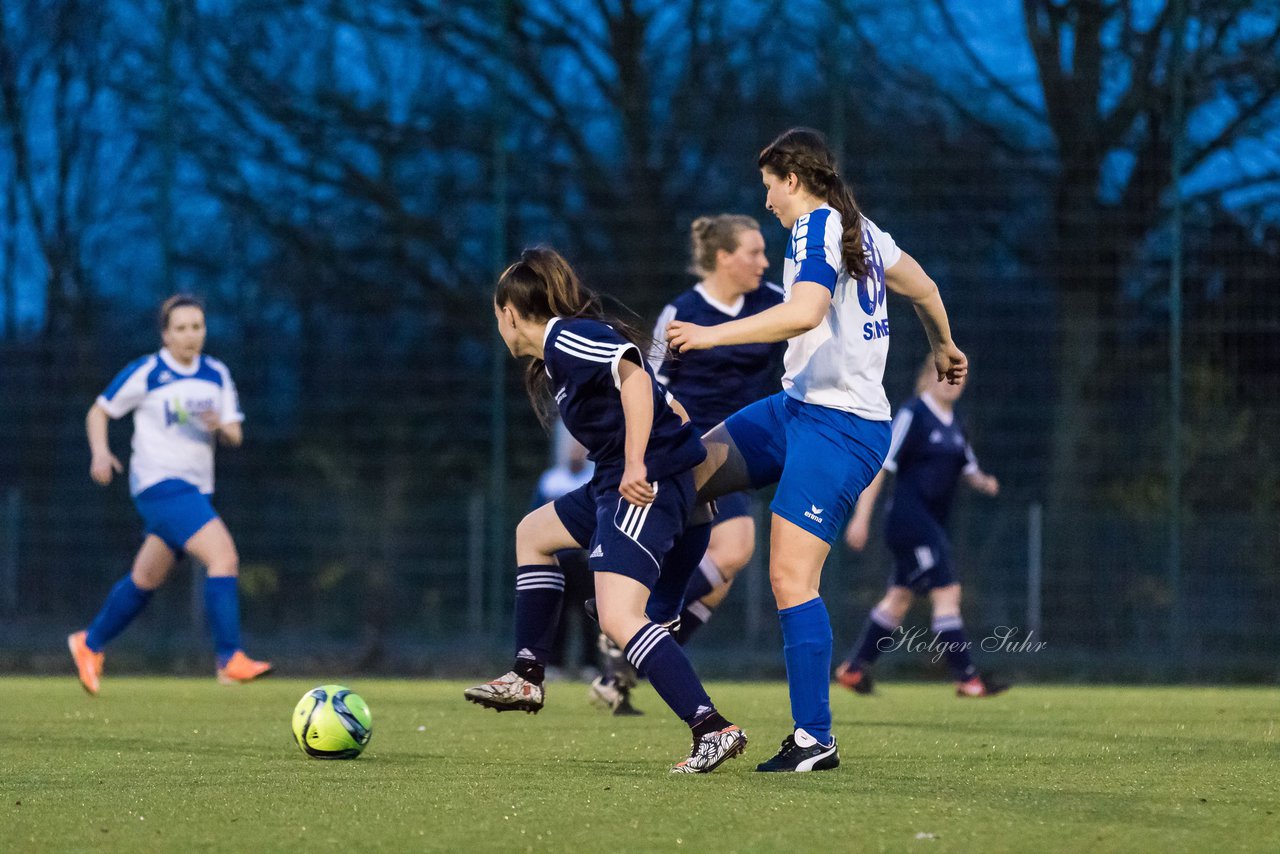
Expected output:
(662, 661)
(222, 610)
(679, 565)
(955, 647)
(539, 596)
(806, 643)
(880, 626)
(125, 601)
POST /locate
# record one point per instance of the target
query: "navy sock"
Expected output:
(955, 646)
(679, 565)
(222, 610)
(539, 595)
(702, 582)
(806, 644)
(657, 656)
(693, 617)
(125, 601)
(879, 628)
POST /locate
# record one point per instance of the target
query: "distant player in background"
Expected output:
(183, 402)
(572, 470)
(823, 437)
(929, 454)
(635, 509)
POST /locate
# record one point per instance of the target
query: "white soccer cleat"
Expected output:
(510, 692)
(712, 749)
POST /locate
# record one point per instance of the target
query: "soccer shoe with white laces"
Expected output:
(510, 692)
(802, 752)
(712, 750)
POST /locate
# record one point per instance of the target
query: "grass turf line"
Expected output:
(183, 764)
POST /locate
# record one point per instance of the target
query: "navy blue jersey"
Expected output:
(928, 453)
(582, 359)
(713, 384)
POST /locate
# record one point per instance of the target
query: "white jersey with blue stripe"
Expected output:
(170, 440)
(840, 362)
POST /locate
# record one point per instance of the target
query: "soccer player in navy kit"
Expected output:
(728, 253)
(183, 402)
(629, 516)
(823, 437)
(929, 455)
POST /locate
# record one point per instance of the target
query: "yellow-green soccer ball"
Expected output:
(331, 722)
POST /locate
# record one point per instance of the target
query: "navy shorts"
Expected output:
(621, 537)
(821, 458)
(732, 506)
(921, 558)
(174, 511)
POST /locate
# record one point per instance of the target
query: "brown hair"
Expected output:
(173, 303)
(804, 152)
(709, 234)
(542, 285)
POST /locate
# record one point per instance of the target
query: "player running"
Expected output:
(183, 402)
(929, 455)
(629, 516)
(728, 255)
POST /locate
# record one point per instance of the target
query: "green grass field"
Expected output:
(179, 765)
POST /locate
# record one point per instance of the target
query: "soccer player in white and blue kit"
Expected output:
(182, 403)
(824, 436)
(629, 516)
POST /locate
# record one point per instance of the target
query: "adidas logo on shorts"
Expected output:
(598, 551)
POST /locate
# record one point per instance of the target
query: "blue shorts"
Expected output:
(174, 510)
(821, 458)
(621, 537)
(732, 506)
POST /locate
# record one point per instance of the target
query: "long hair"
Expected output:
(709, 234)
(542, 285)
(805, 152)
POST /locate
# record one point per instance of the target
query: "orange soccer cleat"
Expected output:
(980, 686)
(855, 679)
(242, 668)
(88, 662)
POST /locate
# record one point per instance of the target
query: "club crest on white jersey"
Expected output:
(168, 402)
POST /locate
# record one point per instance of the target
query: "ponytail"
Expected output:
(542, 285)
(804, 152)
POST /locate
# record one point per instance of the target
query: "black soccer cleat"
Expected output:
(802, 752)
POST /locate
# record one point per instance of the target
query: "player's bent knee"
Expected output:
(789, 590)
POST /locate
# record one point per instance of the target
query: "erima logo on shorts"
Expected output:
(815, 515)
(598, 551)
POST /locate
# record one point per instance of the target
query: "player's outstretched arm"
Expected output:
(104, 464)
(909, 279)
(808, 305)
(982, 482)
